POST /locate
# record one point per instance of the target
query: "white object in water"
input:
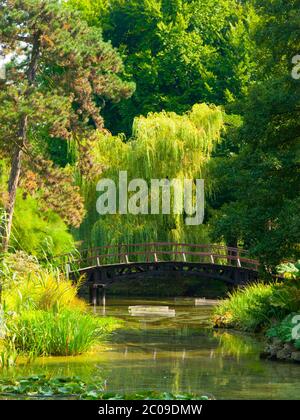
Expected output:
(205, 302)
(151, 311)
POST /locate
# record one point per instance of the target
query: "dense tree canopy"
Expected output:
(164, 146)
(57, 66)
(177, 52)
(72, 70)
(263, 208)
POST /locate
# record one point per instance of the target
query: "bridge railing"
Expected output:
(158, 252)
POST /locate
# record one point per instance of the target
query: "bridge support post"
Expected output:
(94, 294)
(97, 295)
(103, 300)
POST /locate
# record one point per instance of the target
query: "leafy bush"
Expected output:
(284, 329)
(290, 270)
(64, 333)
(256, 306)
(18, 265)
(39, 232)
(28, 285)
(41, 290)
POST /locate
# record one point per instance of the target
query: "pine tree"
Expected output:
(57, 66)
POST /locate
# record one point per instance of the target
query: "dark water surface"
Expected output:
(177, 354)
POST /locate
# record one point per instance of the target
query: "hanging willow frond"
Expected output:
(164, 145)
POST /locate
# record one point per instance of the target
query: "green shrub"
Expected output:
(290, 270)
(257, 306)
(283, 330)
(64, 333)
(39, 232)
(16, 266)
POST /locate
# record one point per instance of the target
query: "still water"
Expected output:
(177, 354)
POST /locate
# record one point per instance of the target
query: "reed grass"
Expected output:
(41, 290)
(42, 314)
(64, 333)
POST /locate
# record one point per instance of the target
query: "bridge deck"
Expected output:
(114, 262)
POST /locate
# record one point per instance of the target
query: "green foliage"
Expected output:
(91, 10)
(290, 270)
(74, 63)
(17, 266)
(64, 333)
(147, 395)
(42, 386)
(74, 387)
(8, 355)
(42, 314)
(58, 73)
(39, 232)
(256, 306)
(283, 330)
(165, 145)
(262, 208)
(39, 290)
(178, 53)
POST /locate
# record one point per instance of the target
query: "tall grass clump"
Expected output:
(42, 314)
(64, 333)
(27, 285)
(42, 291)
(256, 306)
(8, 353)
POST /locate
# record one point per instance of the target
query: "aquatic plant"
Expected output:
(42, 313)
(8, 353)
(39, 386)
(64, 333)
(42, 386)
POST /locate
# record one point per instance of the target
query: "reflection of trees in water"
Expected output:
(236, 344)
(164, 339)
(178, 355)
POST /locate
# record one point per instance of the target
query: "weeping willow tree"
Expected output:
(163, 146)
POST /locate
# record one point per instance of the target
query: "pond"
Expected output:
(175, 352)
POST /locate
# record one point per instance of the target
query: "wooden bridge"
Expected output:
(105, 265)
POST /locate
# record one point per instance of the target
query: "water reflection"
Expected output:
(177, 354)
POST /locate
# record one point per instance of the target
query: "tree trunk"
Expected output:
(20, 144)
(13, 182)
